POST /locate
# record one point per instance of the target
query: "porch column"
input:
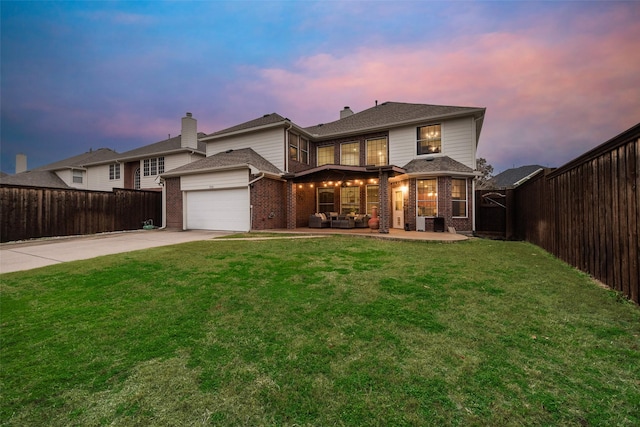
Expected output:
(291, 205)
(384, 208)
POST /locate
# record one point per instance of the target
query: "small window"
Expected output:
(377, 152)
(114, 171)
(77, 176)
(350, 154)
(428, 197)
(326, 155)
(429, 139)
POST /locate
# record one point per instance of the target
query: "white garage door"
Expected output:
(218, 210)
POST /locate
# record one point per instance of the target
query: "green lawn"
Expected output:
(327, 331)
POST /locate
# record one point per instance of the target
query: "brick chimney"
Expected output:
(21, 163)
(346, 112)
(189, 135)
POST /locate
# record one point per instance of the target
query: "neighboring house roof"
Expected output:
(230, 159)
(512, 177)
(392, 114)
(437, 165)
(35, 178)
(79, 161)
(160, 148)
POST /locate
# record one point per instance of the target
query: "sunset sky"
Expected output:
(557, 78)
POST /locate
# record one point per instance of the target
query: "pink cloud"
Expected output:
(552, 90)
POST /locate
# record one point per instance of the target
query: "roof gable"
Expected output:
(437, 165)
(227, 159)
(510, 177)
(390, 114)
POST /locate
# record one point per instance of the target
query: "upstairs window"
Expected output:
(429, 139)
(298, 148)
(77, 176)
(154, 166)
(350, 154)
(326, 155)
(114, 171)
(377, 152)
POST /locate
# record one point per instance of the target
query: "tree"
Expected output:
(485, 169)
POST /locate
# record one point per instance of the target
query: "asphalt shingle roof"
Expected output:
(436, 164)
(35, 178)
(388, 114)
(267, 119)
(160, 147)
(93, 156)
(508, 178)
(230, 158)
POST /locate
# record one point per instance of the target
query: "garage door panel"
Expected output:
(218, 210)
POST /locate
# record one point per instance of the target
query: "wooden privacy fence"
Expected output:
(587, 212)
(29, 212)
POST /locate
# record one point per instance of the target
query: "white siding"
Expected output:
(67, 176)
(98, 178)
(176, 160)
(215, 181)
(402, 145)
(171, 161)
(458, 142)
(269, 144)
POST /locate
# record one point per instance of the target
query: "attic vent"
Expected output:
(228, 151)
(320, 124)
(429, 159)
(266, 115)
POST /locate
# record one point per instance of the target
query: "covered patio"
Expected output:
(343, 191)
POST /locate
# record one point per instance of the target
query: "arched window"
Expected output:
(136, 179)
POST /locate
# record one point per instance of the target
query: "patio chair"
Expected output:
(319, 220)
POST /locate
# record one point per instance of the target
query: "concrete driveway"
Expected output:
(39, 253)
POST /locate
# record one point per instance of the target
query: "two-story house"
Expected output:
(414, 163)
(104, 169)
(140, 168)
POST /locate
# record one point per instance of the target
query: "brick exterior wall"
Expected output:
(269, 210)
(444, 205)
(174, 203)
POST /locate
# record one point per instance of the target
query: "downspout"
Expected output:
(473, 218)
(286, 147)
(164, 204)
(253, 181)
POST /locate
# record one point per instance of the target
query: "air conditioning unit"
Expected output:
(420, 221)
